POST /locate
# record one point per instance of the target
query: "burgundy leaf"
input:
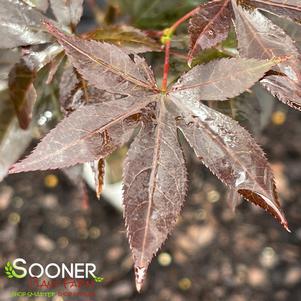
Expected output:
(130, 39)
(90, 133)
(22, 92)
(282, 8)
(209, 26)
(154, 189)
(259, 38)
(67, 12)
(123, 94)
(106, 66)
(230, 152)
(221, 79)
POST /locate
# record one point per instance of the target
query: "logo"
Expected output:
(19, 269)
(54, 276)
(11, 273)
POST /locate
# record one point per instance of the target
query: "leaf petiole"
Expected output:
(166, 41)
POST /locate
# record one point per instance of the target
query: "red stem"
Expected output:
(184, 18)
(166, 65)
(167, 43)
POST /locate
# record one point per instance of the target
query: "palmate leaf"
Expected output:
(259, 38)
(209, 26)
(282, 8)
(154, 172)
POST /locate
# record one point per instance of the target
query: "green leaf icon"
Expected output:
(9, 270)
(98, 279)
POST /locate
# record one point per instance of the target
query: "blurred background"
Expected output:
(213, 253)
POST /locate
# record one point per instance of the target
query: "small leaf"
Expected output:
(130, 39)
(67, 12)
(209, 26)
(221, 79)
(22, 92)
(20, 25)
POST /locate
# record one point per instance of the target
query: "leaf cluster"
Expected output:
(110, 96)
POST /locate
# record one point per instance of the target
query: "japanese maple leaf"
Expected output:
(155, 177)
(258, 37)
